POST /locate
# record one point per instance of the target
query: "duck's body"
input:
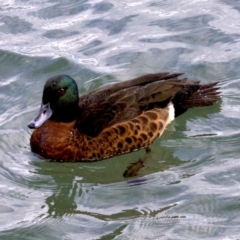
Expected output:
(111, 120)
(62, 141)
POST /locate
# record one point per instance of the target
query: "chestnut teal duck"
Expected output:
(114, 119)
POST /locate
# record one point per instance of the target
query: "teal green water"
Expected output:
(190, 185)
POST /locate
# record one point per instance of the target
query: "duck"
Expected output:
(114, 119)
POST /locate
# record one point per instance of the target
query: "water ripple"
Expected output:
(189, 185)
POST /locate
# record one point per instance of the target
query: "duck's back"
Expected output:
(126, 100)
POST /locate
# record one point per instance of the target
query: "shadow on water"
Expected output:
(72, 180)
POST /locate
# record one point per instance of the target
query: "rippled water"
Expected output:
(190, 185)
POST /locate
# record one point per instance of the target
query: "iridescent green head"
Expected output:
(59, 101)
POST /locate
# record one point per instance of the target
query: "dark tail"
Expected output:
(195, 96)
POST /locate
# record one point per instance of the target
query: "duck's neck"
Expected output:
(68, 114)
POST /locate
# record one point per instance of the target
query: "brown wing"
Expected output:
(125, 100)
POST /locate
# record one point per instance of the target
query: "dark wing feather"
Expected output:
(99, 115)
(105, 91)
(122, 101)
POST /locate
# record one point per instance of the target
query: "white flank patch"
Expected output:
(171, 115)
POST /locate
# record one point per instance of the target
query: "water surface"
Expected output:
(189, 187)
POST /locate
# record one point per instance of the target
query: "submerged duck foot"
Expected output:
(134, 168)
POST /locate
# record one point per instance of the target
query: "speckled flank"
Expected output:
(121, 138)
(135, 134)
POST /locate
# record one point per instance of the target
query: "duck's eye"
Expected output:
(61, 91)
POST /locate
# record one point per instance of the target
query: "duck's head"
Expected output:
(59, 101)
